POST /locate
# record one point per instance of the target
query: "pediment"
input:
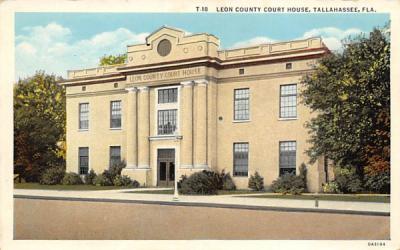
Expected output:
(165, 31)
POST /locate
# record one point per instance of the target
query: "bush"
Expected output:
(330, 187)
(204, 182)
(114, 170)
(125, 181)
(227, 182)
(256, 182)
(71, 179)
(378, 182)
(348, 180)
(303, 175)
(52, 176)
(289, 184)
(101, 180)
(89, 178)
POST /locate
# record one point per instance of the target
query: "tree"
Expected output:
(350, 94)
(112, 60)
(39, 125)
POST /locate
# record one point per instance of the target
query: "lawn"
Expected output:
(328, 197)
(220, 192)
(64, 187)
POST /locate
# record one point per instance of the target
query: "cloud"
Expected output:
(252, 42)
(332, 36)
(51, 48)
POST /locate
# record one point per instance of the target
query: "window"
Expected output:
(240, 159)
(241, 71)
(287, 157)
(84, 116)
(83, 88)
(83, 160)
(288, 65)
(168, 95)
(288, 101)
(115, 155)
(241, 105)
(115, 114)
(167, 121)
(115, 85)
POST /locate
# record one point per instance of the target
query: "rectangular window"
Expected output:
(240, 159)
(287, 157)
(84, 116)
(241, 105)
(288, 101)
(168, 95)
(115, 155)
(116, 114)
(167, 121)
(83, 160)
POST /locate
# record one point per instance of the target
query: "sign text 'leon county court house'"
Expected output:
(165, 75)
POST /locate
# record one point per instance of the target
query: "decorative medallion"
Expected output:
(164, 47)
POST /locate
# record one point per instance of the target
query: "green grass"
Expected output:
(152, 192)
(338, 197)
(220, 192)
(64, 187)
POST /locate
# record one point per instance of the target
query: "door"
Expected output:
(166, 167)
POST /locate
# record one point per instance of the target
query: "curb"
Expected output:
(205, 204)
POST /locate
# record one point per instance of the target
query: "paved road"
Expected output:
(60, 219)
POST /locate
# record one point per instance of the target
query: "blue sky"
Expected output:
(56, 42)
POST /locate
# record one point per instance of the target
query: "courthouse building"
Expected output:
(180, 103)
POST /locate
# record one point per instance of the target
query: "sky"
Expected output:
(57, 42)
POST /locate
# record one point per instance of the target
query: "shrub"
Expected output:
(348, 180)
(330, 187)
(113, 171)
(215, 178)
(71, 179)
(378, 182)
(256, 182)
(125, 181)
(89, 178)
(227, 182)
(288, 184)
(183, 178)
(101, 180)
(303, 175)
(204, 182)
(52, 176)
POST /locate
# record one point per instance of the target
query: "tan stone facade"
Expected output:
(180, 102)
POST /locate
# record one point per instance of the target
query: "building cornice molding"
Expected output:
(131, 89)
(97, 93)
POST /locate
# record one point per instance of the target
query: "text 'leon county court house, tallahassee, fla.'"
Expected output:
(181, 102)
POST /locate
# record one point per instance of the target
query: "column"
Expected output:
(200, 159)
(143, 128)
(186, 151)
(131, 129)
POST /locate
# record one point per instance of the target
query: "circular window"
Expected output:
(164, 47)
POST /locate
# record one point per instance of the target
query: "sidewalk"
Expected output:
(222, 201)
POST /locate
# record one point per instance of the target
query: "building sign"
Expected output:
(166, 75)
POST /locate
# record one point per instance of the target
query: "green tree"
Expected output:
(112, 60)
(39, 125)
(350, 94)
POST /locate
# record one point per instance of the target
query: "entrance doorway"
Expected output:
(165, 167)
